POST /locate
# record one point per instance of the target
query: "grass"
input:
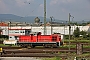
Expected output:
(70, 56)
(8, 45)
(3, 45)
(74, 46)
(83, 41)
(54, 58)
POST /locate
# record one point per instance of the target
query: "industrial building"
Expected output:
(15, 29)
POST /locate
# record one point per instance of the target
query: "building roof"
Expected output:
(19, 29)
(3, 24)
(88, 25)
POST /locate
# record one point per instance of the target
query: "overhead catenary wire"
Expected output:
(29, 3)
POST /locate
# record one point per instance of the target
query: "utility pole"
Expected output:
(69, 31)
(9, 28)
(51, 24)
(44, 17)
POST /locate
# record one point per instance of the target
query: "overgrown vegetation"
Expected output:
(3, 37)
(54, 58)
(79, 35)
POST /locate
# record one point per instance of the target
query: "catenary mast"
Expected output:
(44, 17)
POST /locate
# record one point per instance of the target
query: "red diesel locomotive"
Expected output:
(37, 39)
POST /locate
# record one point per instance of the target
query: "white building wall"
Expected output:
(12, 32)
(20, 27)
(83, 28)
(4, 30)
(89, 29)
(62, 29)
(11, 38)
(38, 29)
(16, 31)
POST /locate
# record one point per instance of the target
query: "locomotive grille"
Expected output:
(54, 38)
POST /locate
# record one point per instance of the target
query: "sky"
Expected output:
(59, 9)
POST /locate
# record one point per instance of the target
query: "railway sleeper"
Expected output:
(13, 53)
(50, 46)
(3, 52)
(22, 45)
(32, 46)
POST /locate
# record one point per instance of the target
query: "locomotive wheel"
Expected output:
(32, 46)
(21, 45)
(48, 46)
(24, 46)
(45, 46)
(54, 46)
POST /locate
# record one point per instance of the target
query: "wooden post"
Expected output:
(79, 48)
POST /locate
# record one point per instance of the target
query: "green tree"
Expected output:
(88, 35)
(76, 32)
(83, 33)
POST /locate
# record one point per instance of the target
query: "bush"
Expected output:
(4, 36)
(66, 36)
(88, 38)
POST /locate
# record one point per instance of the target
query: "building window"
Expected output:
(21, 31)
(10, 37)
(16, 31)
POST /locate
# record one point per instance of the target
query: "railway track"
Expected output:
(32, 55)
(42, 51)
(10, 47)
(38, 52)
(24, 52)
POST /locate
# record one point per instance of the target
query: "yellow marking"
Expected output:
(19, 49)
(22, 48)
(0, 49)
